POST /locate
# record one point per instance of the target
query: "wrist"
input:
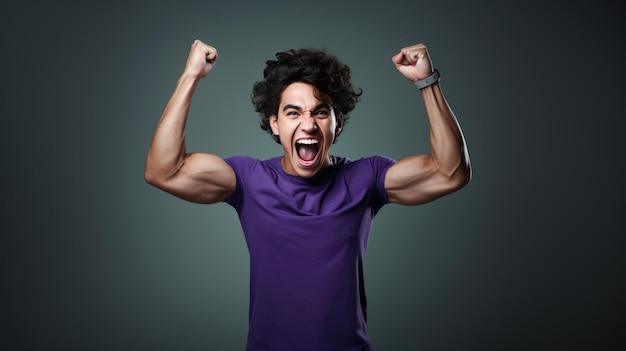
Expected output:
(189, 79)
(428, 81)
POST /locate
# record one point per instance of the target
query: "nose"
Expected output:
(308, 123)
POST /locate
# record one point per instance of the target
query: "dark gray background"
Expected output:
(526, 257)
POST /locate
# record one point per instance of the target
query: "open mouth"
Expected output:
(307, 149)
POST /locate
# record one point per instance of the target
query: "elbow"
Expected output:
(152, 177)
(462, 173)
(155, 174)
(149, 177)
(149, 174)
(462, 177)
(458, 179)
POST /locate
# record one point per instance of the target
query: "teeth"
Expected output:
(307, 141)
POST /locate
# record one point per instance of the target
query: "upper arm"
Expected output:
(416, 180)
(201, 178)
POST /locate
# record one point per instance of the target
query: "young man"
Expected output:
(307, 215)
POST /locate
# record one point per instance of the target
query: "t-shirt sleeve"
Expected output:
(242, 165)
(380, 166)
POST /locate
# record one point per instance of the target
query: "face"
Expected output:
(306, 127)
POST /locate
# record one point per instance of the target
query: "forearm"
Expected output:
(167, 151)
(448, 149)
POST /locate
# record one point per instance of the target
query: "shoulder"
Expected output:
(370, 169)
(246, 165)
(240, 161)
(247, 161)
(375, 162)
(368, 173)
(251, 173)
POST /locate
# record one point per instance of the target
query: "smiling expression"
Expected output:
(306, 127)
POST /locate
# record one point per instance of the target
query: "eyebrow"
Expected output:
(296, 107)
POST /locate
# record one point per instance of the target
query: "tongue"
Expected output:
(307, 152)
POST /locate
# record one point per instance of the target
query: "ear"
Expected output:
(274, 124)
(339, 126)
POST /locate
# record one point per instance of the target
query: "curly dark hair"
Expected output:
(329, 76)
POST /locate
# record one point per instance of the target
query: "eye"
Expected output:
(322, 113)
(292, 114)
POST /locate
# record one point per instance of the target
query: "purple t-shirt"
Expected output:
(306, 238)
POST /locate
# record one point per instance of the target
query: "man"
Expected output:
(307, 215)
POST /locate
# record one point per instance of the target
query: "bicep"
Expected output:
(415, 180)
(201, 178)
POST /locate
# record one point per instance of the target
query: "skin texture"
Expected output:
(206, 178)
